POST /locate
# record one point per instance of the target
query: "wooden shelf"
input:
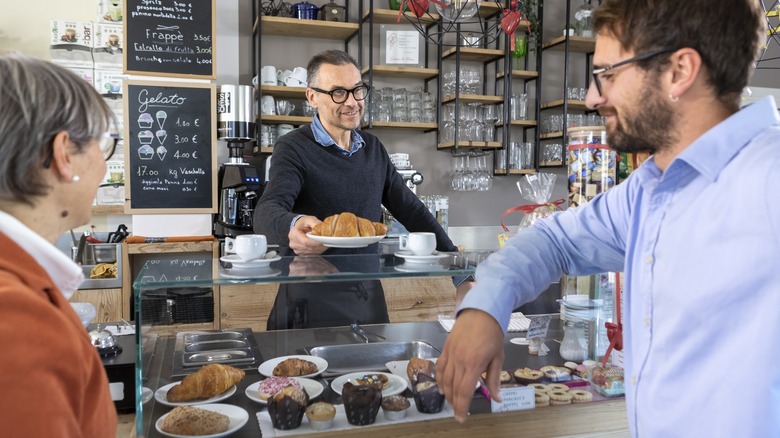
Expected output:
(403, 125)
(576, 44)
(294, 27)
(522, 171)
(551, 164)
(108, 209)
(524, 123)
(167, 247)
(390, 16)
(474, 98)
(470, 144)
(473, 54)
(282, 91)
(551, 135)
(266, 149)
(520, 74)
(572, 104)
(406, 72)
(276, 120)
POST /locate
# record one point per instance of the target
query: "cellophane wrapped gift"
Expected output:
(537, 189)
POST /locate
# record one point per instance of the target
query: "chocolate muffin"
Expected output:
(426, 395)
(287, 407)
(395, 406)
(361, 403)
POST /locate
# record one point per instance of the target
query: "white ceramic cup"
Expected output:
(268, 105)
(247, 246)
(268, 75)
(284, 128)
(281, 76)
(300, 74)
(420, 244)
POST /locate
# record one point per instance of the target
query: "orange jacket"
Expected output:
(52, 381)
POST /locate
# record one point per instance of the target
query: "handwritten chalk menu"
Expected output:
(174, 267)
(170, 38)
(170, 147)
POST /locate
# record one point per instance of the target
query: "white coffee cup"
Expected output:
(268, 75)
(247, 246)
(284, 128)
(281, 76)
(293, 82)
(300, 74)
(268, 105)
(420, 244)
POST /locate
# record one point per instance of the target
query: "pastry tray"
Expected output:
(236, 347)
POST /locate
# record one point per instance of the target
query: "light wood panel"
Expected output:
(473, 54)
(405, 72)
(576, 44)
(419, 299)
(108, 303)
(295, 27)
(246, 305)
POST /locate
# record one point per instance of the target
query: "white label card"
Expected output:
(514, 399)
(538, 327)
(403, 47)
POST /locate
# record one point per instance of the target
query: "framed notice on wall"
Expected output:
(170, 38)
(170, 148)
(401, 45)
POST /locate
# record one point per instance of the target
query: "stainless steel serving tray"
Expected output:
(236, 347)
(343, 359)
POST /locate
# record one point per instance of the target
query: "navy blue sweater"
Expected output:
(309, 179)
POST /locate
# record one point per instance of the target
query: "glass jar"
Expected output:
(572, 347)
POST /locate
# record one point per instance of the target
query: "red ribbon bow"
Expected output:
(527, 209)
(614, 331)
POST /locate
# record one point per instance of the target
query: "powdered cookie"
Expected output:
(541, 400)
(580, 396)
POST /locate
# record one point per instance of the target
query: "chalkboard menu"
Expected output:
(170, 38)
(170, 147)
(174, 267)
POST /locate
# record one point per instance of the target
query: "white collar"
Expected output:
(64, 272)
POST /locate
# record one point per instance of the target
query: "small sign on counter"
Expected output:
(514, 399)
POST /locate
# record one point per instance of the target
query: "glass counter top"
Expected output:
(375, 262)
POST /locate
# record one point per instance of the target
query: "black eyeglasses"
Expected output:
(340, 95)
(107, 143)
(599, 71)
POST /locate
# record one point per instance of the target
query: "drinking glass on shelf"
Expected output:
(490, 116)
(521, 42)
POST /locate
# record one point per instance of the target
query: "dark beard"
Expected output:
(649, 130)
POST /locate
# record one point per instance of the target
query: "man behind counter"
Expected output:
(330, 167)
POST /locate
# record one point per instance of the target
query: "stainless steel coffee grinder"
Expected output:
(240, 184)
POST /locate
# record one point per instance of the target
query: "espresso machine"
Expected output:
(240, 184)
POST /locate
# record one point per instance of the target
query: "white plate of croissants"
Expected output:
(345, 230)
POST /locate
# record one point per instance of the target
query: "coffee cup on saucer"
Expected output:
(420, 244)
(247, 246)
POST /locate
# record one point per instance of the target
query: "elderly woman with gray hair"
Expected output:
(55, 135)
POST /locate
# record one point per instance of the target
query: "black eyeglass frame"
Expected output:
(108, 135)
(346, 96)
(595, 73)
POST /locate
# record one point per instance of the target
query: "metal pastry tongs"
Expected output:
(358, 330)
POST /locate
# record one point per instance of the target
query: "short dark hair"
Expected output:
(333, 57)
(727, 35)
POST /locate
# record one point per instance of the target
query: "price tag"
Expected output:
(514, 399)
(538, 326)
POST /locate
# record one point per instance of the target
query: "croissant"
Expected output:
(207, 382)
(294, 367)
(348, 225)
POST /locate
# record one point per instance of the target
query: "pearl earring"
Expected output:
(673, 98)
(75, 178)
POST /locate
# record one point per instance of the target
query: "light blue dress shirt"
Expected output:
(700, 247)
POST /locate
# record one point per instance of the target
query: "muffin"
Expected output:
(320, 415)
(395, 406)
(426, 395)
(286, 408)
(361, 403)
(417, 365)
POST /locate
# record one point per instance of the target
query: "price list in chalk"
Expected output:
(170, 37)
(171, 164)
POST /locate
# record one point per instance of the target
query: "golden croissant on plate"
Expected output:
(348, 225)
(294, 367)
(207, 382)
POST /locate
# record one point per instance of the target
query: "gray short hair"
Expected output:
(39, 99)
(333, 57)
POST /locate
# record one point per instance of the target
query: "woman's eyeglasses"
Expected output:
(107, 144)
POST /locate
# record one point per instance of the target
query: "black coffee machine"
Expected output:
(240, 184)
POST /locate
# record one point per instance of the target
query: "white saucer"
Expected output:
(420, 267)
(396, 385)
(239, 263)
(238, 418)
(409, 257)
(345, 242)
(161, 395)
(249, 273)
